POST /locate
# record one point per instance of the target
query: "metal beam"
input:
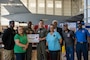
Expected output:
(86, 11)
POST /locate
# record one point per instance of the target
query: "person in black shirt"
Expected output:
(68, 37)
(29, 30)
(8, 41)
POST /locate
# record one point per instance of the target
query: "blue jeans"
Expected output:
(20, 56)
(53, 55)
(70, 53)
(82, 48)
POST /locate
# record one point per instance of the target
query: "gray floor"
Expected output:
(34, 55)
(64, 58)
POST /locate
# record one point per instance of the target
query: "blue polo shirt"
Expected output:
(81, 35)
(53, 41)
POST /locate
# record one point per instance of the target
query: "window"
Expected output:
(41, 7)
(49, 7)
(58, 7)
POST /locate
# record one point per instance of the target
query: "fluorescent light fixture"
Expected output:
(32, 5)
(41, 5)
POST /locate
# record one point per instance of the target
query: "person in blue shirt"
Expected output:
(53, 39)
(82, 44)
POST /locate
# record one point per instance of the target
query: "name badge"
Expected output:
(38, 31)
(68, 35)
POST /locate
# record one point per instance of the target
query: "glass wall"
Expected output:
(54, 7)
(58, 7)
(50, 7)
(41, 7)
(87, 12)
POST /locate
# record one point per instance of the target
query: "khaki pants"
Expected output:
(7, 55)
(41, 51)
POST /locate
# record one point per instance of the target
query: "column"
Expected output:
(87, 11)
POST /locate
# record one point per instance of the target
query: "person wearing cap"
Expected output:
(81, 42)
(59, 30)
(29, 30)
(68, 38)
(8, 41)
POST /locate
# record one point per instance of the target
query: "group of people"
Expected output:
(54, 37)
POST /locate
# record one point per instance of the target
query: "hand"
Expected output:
(26, 46)
(47, 50)
(40, 39)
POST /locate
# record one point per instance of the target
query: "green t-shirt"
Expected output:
(23, 40)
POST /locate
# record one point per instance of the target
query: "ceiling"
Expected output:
(8, 1)
(17, 9)
(21, 14)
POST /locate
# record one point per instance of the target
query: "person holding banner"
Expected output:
(41, 46)
(21, 44)
(29, 30)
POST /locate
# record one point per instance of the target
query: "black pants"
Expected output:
(53, 55)
(82, 48)
(29, 52)
(20, 56)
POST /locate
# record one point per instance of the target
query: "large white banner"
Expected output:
(33, 38)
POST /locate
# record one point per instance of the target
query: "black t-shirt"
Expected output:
(8, 39)
(68, 37)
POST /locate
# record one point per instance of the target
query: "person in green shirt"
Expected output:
(21, 44)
